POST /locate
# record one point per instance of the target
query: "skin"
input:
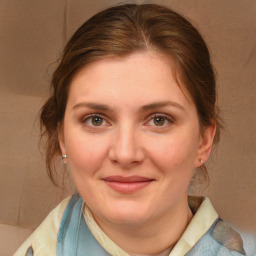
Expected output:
(142, 125)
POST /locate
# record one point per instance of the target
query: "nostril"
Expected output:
(126, 158)
(125, 148)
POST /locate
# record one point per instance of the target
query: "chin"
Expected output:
(132, 214)
(128, 219)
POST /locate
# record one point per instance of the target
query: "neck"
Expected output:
(164, 253)
(156, 237)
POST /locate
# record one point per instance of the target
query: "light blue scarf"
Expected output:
(75, 238)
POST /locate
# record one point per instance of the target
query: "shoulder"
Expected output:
(249, 241)
(44, 239)
(228, 237)
(221, 236)
(224, 240)
(243, 243)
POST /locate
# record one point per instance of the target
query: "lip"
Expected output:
(127, 185)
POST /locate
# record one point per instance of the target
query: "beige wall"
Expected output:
(32, 34)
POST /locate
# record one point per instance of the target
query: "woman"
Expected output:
(133, 114)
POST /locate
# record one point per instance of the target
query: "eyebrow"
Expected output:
(95, 106)
(144, 108)
(160, 104)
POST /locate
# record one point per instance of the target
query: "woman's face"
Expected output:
(132, 138)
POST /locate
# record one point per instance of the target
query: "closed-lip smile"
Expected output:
(128, 184)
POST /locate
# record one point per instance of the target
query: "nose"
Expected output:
(126, 148)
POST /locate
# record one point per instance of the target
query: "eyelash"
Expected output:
(161, 115)
(149, 118)
(88, 117)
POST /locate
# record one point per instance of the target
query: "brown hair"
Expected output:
(122, 30)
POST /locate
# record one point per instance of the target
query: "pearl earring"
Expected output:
(64, 157)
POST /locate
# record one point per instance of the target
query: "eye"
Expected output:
(160, 120)
(94, 120)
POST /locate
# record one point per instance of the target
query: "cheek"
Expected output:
(174, 152)
(86, 153)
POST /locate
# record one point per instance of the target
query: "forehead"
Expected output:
(140, 77)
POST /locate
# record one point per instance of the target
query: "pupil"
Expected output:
(159, 121)
(97, 121)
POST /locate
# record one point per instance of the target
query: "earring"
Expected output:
(201, 161)
(64, 157)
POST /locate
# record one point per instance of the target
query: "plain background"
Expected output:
(32, 35)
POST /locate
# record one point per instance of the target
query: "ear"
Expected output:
(61, 139)
(205, 144)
